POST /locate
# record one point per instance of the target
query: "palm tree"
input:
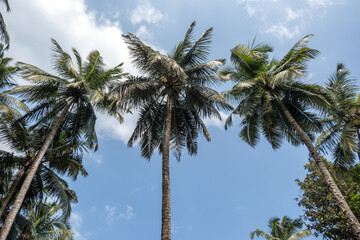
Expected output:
(4, 35)
(68, 99)
(44, 221)
(173, 96)
(274, 101)
(61, 158)
(342, 136)
(284, 229)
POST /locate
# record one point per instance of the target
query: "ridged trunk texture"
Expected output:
(166, 208)
(340, 200)
(9, 195)
(32, 171)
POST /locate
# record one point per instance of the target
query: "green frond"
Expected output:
(36, 75)
(181, 49)
(260, 233)
(249, 132)
(300, 235)
(153, 62)
(199, 50)
(298, 55)
(4, 35)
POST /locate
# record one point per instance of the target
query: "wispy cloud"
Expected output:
(293, 14)
(144, 33)
(146, 12)
(270, 17)
(95, 157)
(323, 3)
(128, 214)
(76, 221)
(281, 31)
(109, 127)
(110, 217)
(215, 122)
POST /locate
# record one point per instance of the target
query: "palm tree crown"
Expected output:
(82, 84)
(258, 78)
(183, 77)
(341, 138)
(43, 221)
(283, 229)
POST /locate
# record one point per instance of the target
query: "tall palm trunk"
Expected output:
(9, 195)
(32, 171)
(166, 208)
(340, 200)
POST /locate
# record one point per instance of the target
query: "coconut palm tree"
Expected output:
(173, 96)
(342, 137)
(44, 221)
(271, 99)
(61, 158)
(67, 99)
(284, 229)
(4, 35)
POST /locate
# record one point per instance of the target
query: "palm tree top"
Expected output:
(283, 229)
(185, 76)
(258, 78)
(83, 83)
(341, 137)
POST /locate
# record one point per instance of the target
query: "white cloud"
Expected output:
(107, 126)
(33, 23)
(128, 214)
(280, 31)
(97, 158)
(76, 221)
(270, 14)
(250, 10)
(110, 213)
(255, 7)
(215, 122)
(293, 14)
(144, 33)
(285, 19)
(145, 12)
(321, 3)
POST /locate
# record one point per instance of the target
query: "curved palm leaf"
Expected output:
(283, 229)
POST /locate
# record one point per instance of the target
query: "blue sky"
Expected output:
(229, 189)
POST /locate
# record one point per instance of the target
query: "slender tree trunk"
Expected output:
(33, 168)
(340, 200)
(166, 209)
(11, 192)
